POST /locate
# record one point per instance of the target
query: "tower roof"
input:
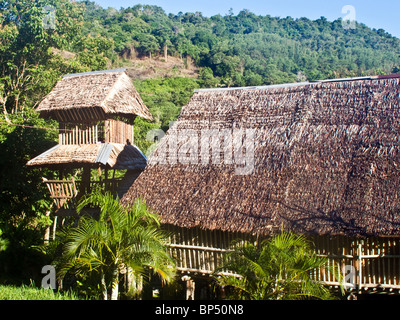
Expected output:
(94, 96)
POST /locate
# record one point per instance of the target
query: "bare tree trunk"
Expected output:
(3, 102)
(166, 53)
(115, 284)
(47, 232)
(104, 286)
(134, 284)
(6, 114)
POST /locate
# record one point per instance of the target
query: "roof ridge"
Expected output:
(299, 84)
(94, 72)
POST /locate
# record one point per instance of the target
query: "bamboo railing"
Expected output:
(62, 192)
(109, 131)
(365, 263)
(374, 262)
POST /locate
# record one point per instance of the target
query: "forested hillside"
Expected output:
(247, 49)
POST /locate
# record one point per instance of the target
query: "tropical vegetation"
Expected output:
(119, 239)
(42, 40)
(280, 268)
(32, 293)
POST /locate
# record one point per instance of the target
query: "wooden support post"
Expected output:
(99, 171)
(359, 253)
(190, 287)
(85, 184)
(47, 231)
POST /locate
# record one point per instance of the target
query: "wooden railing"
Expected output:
(62, 192)
(373, 262)
(109, 131)
(365, 264)
(79, 134)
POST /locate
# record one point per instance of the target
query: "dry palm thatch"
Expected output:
(94, 96)
(116, 156)
(326, 161)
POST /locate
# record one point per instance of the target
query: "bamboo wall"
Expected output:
(109, 131)
(375, 261)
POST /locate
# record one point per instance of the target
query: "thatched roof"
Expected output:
(116, 156)
(326, 161)
(94, 96)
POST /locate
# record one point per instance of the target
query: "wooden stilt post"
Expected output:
(85, 184)
(190, 287)
(47, 232)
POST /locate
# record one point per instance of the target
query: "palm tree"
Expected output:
(119, 239)
(278, 269)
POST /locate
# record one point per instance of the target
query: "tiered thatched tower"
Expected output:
(96, 113)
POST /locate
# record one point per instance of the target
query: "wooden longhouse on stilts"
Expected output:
(96, 113)
(322, 158)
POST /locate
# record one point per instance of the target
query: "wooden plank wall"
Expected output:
(118, 132)
(375, 261)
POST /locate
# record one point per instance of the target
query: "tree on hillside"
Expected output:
(30, 32)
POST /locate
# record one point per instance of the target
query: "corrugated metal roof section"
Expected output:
(104, 153)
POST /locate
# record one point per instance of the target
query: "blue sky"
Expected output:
(381, 14)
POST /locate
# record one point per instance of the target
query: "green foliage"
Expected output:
(29, 67)
(3, 242)
(119, 238)
(277, 269)
(22, 259)
(31, 293)
(142, 132)
(21, 188)
(166, 96)
(23, 197)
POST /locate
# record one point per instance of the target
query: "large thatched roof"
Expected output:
(93, 96)
(326, 161)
